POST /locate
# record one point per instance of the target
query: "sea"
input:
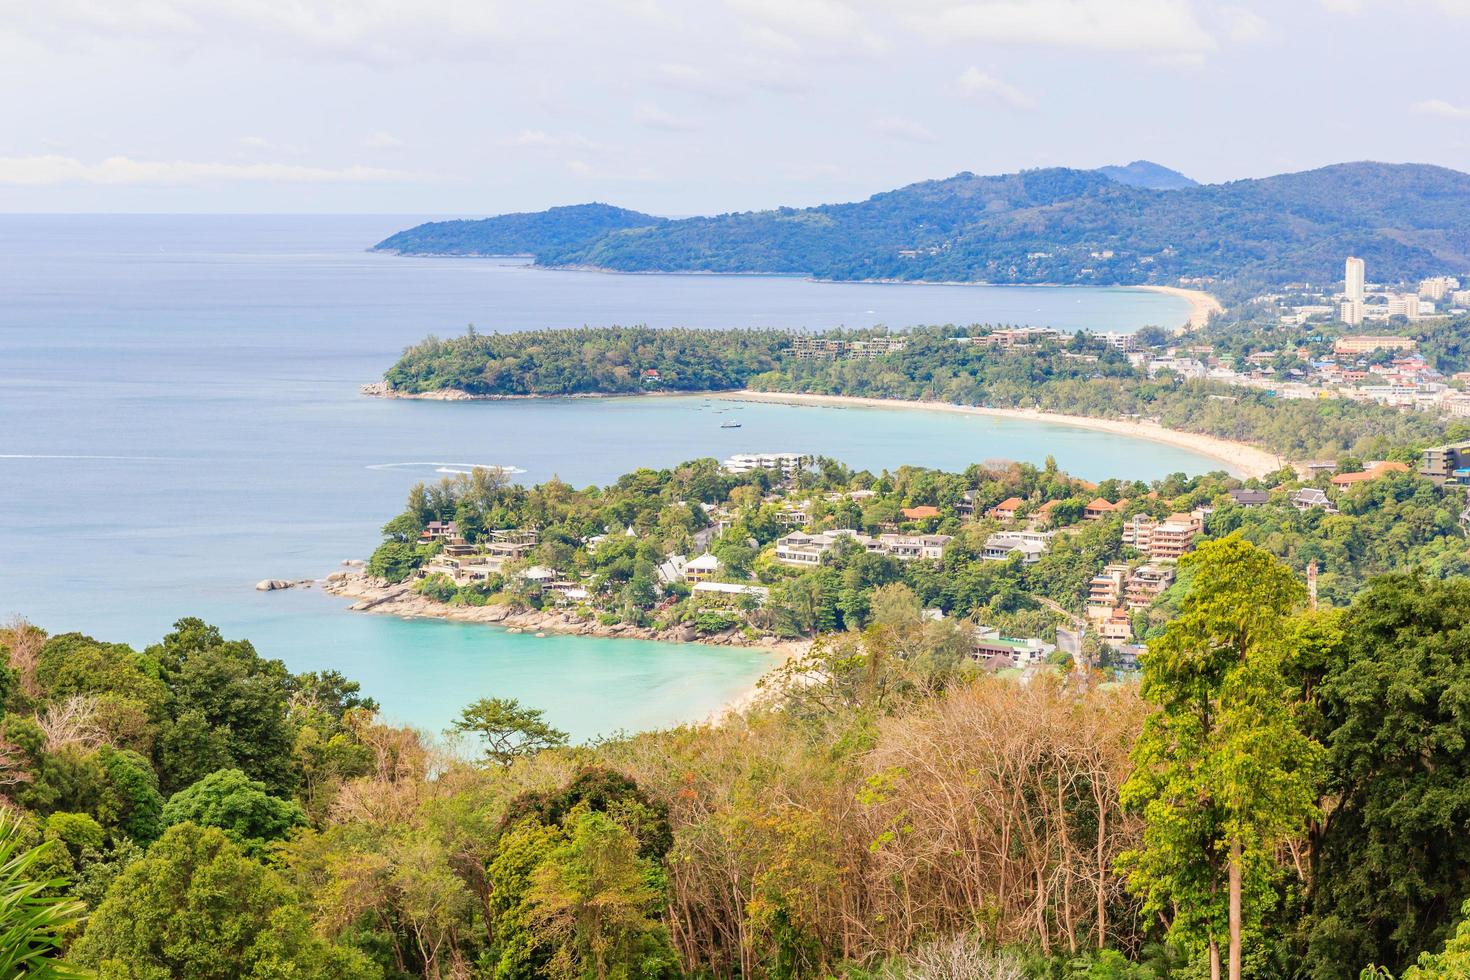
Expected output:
(180, 417)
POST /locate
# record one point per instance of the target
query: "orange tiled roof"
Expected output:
(1373, 473)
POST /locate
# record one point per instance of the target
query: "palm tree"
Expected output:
(32, 921)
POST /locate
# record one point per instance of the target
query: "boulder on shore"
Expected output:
(271, 585)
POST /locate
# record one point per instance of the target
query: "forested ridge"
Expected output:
(1078, 376)
(603, 360)
(523, 233)
(1051, 225)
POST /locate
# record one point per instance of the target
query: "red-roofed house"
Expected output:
(1371, 473)
(920, 513)
(1101, 508)
(1007, 509)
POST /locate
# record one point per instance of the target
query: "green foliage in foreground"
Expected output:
(890, 813)
(1225, 774)
(236, 804)
(34, 919)
(198, 907)
(1391, 862)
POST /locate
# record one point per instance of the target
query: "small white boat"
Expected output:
(729, 424)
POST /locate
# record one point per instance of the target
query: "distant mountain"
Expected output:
(1145, 173)
(1051, 225)
(525, 233)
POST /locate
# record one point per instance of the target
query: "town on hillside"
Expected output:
(1360, 343)
(1035, 567)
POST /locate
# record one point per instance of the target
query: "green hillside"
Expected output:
(525, 233)
(1052, 225)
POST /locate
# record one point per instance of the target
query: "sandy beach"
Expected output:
(1240, 458)
(1201, 303)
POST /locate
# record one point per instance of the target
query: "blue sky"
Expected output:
(699, 106)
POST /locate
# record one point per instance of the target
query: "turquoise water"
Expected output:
(179, 418)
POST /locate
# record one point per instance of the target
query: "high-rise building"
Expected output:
(1438, 287)
(1406, 305)
(1354, 279)
(1352, 312)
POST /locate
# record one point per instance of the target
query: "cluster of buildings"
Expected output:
(1118, 591)
(783, 464)
(1406, 380)
(1018, 338)
(1168, 539)
(808, 348)
(1360, 301)
(801, 549)
(1373, 365)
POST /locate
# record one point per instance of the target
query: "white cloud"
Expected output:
(836, 25)
(55, 169)
(906, 130)
(381, 140)
(259, 144)
(1158, 26)
(687, 78)
(377, 32)
(772, 40)
(651, 116)
(975, 83)
(1245, 26)
(540, 139)
(1441, 108)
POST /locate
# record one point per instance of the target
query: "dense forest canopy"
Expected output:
(887, 815)
(523, 233)
(607, 361)
(1050, 225)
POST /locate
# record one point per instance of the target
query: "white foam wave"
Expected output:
(451, 468)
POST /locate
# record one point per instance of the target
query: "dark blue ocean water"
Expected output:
(180, 417)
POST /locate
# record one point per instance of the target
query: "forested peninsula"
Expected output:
(1054, 225)
(1079, 375)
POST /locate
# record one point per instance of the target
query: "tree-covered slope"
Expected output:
(1146, 173)
(516, 234)
(1066, 226)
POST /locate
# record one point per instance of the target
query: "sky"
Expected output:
(679, 107)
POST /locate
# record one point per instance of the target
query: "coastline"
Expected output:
(1242, 457)
(1202, 305)
(398, 600)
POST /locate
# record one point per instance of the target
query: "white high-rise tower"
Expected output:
(1354, 277)
(1352, 307)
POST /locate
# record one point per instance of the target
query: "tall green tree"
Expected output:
(597, 903)
(508, 730)
(197, 908)
(238, 805)
(1223, 771)
(1390, 865)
